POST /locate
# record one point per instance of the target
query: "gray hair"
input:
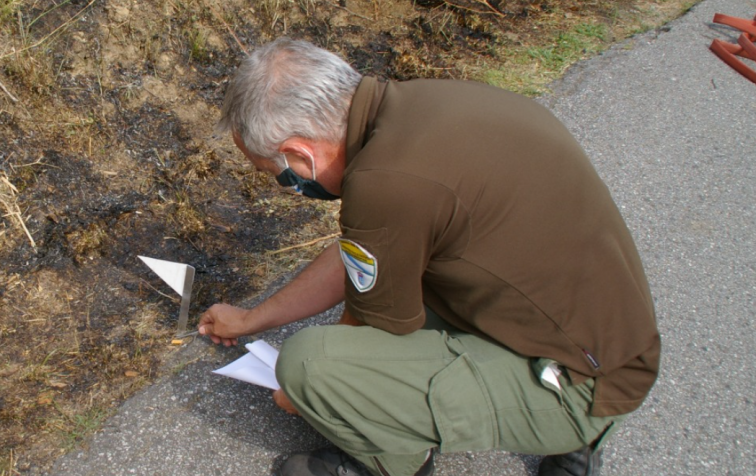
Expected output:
(288, 89)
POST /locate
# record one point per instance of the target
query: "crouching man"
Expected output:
(496, 297)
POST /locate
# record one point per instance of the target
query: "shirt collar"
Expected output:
(362, 115)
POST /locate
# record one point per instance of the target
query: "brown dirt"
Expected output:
(107, 152)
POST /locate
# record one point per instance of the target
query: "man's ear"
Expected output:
(301, 156)
(298, 146)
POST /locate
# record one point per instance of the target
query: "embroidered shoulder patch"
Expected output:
(361, 266)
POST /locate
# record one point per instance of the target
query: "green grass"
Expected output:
(198, 46)
(80, 426)
(528, 69)
(569, 47)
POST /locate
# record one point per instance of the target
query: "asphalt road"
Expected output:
(672, 130)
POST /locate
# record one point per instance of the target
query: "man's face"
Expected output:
(262, 164)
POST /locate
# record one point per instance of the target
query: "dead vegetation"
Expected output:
(8, 193)
(107, 152)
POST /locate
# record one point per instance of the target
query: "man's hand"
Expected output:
(283, 401)
(223, 323)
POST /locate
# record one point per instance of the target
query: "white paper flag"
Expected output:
(172, 273)
(257, 367)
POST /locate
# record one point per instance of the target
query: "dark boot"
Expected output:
(333, 462)
(583, 462)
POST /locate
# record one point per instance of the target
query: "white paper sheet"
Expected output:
(550, 374)
(264, 351)
(257, 367)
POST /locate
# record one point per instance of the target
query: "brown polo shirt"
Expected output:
(479, 203)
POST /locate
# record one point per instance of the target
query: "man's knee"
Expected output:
(296, 350)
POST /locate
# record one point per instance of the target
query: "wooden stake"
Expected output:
(220, 18)
(302, 245)
(13, 210)
(12, 97)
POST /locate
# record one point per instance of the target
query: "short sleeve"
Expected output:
(391, 223)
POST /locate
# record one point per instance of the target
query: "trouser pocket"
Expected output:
(462, 409)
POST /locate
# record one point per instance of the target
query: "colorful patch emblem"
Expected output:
(361, 266)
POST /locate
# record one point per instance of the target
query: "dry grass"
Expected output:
(106, 115)
(9, 203)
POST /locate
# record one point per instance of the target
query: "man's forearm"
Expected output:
(319, 287)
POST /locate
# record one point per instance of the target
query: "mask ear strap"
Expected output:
(312, 161)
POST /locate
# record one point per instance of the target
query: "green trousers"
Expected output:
(386, 400)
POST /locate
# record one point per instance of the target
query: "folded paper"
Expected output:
(257, 367)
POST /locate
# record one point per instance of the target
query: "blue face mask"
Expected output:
(308, 188)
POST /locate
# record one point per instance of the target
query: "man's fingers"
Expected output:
(215, 317)
(205, 318)
(205, 329)
(228, 342)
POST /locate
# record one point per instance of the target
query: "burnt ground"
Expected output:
(107, 152)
